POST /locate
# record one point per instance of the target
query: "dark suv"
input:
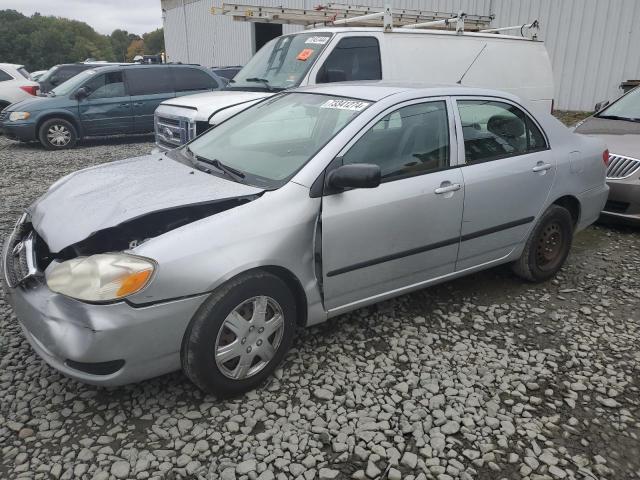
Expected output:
(108, 100)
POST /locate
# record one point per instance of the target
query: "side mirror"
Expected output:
(82, 92)
(601, 105)
(357, 175)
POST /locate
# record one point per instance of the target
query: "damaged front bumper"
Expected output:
(108, 344)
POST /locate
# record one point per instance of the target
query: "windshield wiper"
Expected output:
(230, 171)
(618, 117)
(260, 80)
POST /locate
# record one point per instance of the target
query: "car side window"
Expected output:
(354, 58)
(108, 85)
(493, 130)
(192, 79)
(149, 81)
(413, 140)
(4, 76)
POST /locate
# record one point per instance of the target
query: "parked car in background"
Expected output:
(313, 203)
(15, 84)
(226, 72)
(513, 64)
(61, 73)
(618, 125)
(35, 76)
(107, 100)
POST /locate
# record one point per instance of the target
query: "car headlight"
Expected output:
(15, 116)
(101, 277)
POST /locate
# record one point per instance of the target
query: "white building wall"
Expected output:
(593, 44)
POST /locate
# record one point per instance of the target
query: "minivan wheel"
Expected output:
(240, 334)
(547, 247)
(57, 134)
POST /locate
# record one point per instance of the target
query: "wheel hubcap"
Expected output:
(249, 337)
(58, 135)
(549, 245)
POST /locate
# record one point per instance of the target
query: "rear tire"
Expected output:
(57, 134)
(547, 247)
(240, 334)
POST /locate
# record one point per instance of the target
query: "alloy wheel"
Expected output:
(58, 135)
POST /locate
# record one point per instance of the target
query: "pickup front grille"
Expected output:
(621, 166)
(172, 132)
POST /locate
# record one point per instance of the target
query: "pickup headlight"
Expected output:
(101, 277)
(15, 116)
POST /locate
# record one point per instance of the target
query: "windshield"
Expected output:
(270, 142)
(65, 88)
(628, 107)
(281, 63)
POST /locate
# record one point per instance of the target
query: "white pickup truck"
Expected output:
(517, 65)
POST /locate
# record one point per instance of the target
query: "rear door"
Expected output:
(188, 80)
(149, 86)
(107, 108)
(405, 231)
(508, 173)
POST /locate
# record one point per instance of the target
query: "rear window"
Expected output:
(149, 81)
(192, 79)
(4, 76)
(24, 73)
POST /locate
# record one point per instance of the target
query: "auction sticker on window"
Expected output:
(355, 105)
(317, 40)
(305, 54)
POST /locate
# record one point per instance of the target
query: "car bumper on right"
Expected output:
(623, 178)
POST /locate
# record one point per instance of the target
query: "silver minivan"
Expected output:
(315, 202)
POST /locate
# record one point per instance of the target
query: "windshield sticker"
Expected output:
(355, 105)
(317, 40)
(305, 54)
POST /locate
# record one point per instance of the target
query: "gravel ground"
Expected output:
(480, 378)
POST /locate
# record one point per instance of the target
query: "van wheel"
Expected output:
(547, 247)
(240, 334)
(57, 134)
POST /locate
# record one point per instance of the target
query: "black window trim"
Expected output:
(327, 53)
(524, 110)
(174, 69)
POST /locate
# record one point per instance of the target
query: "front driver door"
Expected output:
(107, 108)
(405, 231)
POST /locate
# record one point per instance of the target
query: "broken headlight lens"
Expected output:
(101, 277)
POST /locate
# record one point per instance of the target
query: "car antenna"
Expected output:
(459, 82)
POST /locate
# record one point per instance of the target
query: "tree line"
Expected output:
(40, 42)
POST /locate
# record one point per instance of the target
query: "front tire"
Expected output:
(57, 134)
(547, 247)
(240, 334)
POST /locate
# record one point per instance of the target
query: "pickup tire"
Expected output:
(240, 334)
(57, 134)
(547, 247)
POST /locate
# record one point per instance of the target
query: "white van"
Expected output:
(516, 65)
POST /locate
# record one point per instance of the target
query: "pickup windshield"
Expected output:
(267, 144)
(627, 108)
(281, 63)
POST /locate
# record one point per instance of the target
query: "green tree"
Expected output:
(154, 42)
(119, 43)
(136, 47)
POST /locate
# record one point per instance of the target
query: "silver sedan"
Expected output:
(315, 202)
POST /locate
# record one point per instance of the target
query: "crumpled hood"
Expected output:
(96, 198)
(211, 102)
(621, 137)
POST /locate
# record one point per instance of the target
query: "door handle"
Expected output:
(447, 187)
(137, 104)
(541, 167)
(126, 105)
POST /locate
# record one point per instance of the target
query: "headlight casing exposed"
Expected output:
(16, 116)
(100, 278)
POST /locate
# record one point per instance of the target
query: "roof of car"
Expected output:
(11, 65)
(377, 90)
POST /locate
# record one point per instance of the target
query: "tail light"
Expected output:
(605, 158)
(31, 89)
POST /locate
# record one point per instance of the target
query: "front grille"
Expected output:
(621, 166)
(614, 206)
(172, 132)
(19, 263)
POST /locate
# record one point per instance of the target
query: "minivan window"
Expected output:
(73, 83)
(274, 139)
(108, 85)
(281, 63)
(354, 58)
(493, 130)
(4, 76)
(149, 81)
(411, 141)
(192, 79)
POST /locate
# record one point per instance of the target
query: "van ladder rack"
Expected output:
(332, 14)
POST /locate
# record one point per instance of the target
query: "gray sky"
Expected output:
(135, 16)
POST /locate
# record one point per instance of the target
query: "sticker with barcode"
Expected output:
(355, 105)
(317, 40)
